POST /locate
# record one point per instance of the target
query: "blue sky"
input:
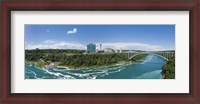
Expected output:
(133, 37)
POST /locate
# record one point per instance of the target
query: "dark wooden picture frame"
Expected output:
(99, 5)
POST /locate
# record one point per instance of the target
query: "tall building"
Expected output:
(100, 46)
(120, 51)
(91, 47)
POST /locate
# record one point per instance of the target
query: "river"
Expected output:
(149, 68)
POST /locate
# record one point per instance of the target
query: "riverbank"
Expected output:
(58, 66)
(139, 58)
(94, 66)
(85, 61)
(168, 69)
(80, 61)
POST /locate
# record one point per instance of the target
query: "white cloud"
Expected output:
(55, 45)
(72, 31)
(49, 41)
(131, 46)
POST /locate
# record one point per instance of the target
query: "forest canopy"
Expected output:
(169, 69)
(78, 58)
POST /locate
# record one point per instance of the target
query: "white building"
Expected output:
(120, 50)
(100, 46)
(108, 50)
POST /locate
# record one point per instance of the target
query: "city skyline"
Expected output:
(127, 37)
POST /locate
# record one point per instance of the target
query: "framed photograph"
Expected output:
(70, 51)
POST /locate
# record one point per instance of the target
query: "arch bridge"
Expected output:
(164, 55)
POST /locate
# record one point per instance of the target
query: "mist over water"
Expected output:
(149, 68)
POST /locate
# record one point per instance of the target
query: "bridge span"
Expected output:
(164, 55)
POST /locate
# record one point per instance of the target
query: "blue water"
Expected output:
(149, 68)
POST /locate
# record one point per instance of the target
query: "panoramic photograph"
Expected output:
(99, 51)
